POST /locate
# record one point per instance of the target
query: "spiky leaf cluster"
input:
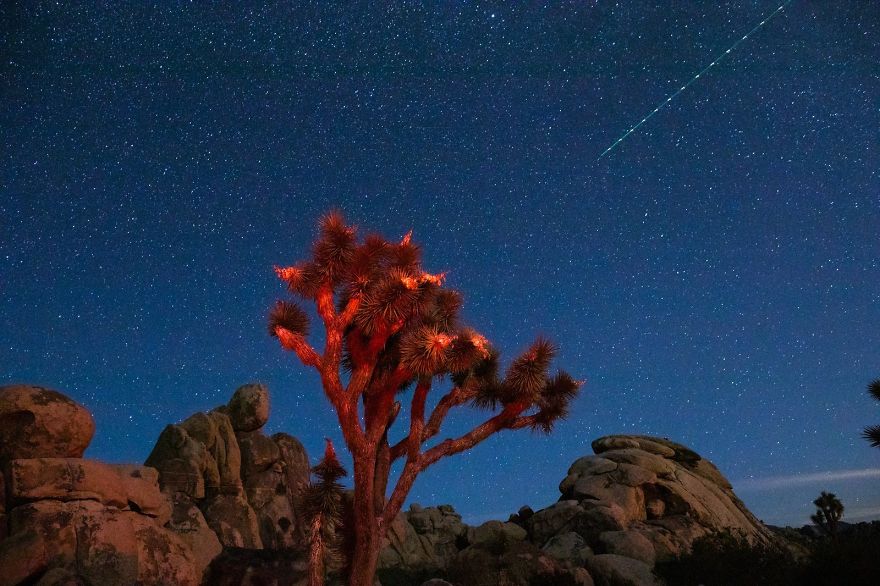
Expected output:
(872, 432)
(525, 382)
(289, 316)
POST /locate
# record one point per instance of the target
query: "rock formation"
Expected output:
(72, 520)
(41, 423)
(643, 499)
(636, 501)
(245, 485)
(217, 502)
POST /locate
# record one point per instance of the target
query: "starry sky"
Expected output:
(714, 277)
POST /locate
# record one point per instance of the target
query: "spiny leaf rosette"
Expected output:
(391, 326)
(872, 432)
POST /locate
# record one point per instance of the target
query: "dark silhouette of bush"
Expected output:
(726, 559)
(853, 559)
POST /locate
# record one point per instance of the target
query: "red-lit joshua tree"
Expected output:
(391, 326)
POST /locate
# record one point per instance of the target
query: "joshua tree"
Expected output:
(323, 514)
(390, 326)
(872, 432)
(828, 513)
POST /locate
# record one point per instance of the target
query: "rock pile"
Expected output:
(72, 520)
(637, 501)
(211, 482)
(228, 479)
(427, 542)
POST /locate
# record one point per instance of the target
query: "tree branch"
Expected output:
(417, 417)
(297, 343)
(505, 419)
(418, 462)
(453, 398)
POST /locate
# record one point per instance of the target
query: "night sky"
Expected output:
(715, 277)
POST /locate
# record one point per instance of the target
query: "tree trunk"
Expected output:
(316, 554)
(366, 526)
(366, 558)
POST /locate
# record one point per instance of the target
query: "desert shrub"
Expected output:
(852, 559)
(725, 559)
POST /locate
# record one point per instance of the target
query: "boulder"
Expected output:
(249, 407)
(182, 463)
(277, 523)
(522, 564)
(233, 520)
(95, 543)
(296, 471)
(41, 423)
(141, 486)
(265, 485)
(296, 463)
(163, 558)
(641, 499)
(617, 570)
(568, 546)
(408, 557)
(631, 544)
(188, 522)
(652, 445)
(26, 554)
(442, 526)
(215, 432)
(555, 519)
(258, 453)
(70, 479)
(495, 536)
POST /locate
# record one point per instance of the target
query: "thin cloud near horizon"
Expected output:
(771, 482)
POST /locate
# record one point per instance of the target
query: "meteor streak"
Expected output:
(694, 78)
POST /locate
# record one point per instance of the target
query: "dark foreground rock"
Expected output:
(248, 567)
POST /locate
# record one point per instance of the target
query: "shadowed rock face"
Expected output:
(77, 521)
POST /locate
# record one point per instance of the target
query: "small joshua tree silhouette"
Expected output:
(828, 513)
(323, 513)
(872, 432)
